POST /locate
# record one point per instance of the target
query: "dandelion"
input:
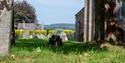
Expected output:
(13, 56)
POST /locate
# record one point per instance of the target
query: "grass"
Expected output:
(37, 51)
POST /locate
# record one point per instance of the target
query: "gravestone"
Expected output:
(5, 26)
(63, 37)
(26, 35)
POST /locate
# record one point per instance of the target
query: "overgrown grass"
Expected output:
(37, 51)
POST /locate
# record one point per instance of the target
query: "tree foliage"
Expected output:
(24, 12)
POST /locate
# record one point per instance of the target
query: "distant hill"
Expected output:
(60, 26)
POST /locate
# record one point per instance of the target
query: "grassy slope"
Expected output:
(36, 51)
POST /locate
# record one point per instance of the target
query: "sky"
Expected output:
(56, 11)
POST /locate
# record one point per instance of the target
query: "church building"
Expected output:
(88, 19)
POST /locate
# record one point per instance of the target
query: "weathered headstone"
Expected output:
(63, 36)
(5, 26)
(26, 35)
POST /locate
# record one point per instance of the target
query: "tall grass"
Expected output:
(37, 51)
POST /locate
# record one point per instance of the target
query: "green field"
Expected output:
(37, 51)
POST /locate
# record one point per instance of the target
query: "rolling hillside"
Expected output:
(60, 26)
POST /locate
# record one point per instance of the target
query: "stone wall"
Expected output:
(85, 28)
(79, 25)
(5, 26)
(26, 26)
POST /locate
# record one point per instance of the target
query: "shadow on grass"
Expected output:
(67, 48)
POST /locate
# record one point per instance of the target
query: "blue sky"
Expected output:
(56, 11)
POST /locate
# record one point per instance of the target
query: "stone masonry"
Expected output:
(85, 23)
(5, 26)
(86, 26)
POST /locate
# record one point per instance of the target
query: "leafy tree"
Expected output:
(24, 12)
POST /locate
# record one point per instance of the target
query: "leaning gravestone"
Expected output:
(5, 26)
(26, 35)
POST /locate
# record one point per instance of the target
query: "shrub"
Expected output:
(39, 32)
(44, 32)
(31, 32)
(51, 31)
(70, 34)
(19, 33)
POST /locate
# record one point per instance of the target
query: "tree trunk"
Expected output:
(99, 13)
(13, 27)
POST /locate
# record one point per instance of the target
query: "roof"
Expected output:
(81, 12)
